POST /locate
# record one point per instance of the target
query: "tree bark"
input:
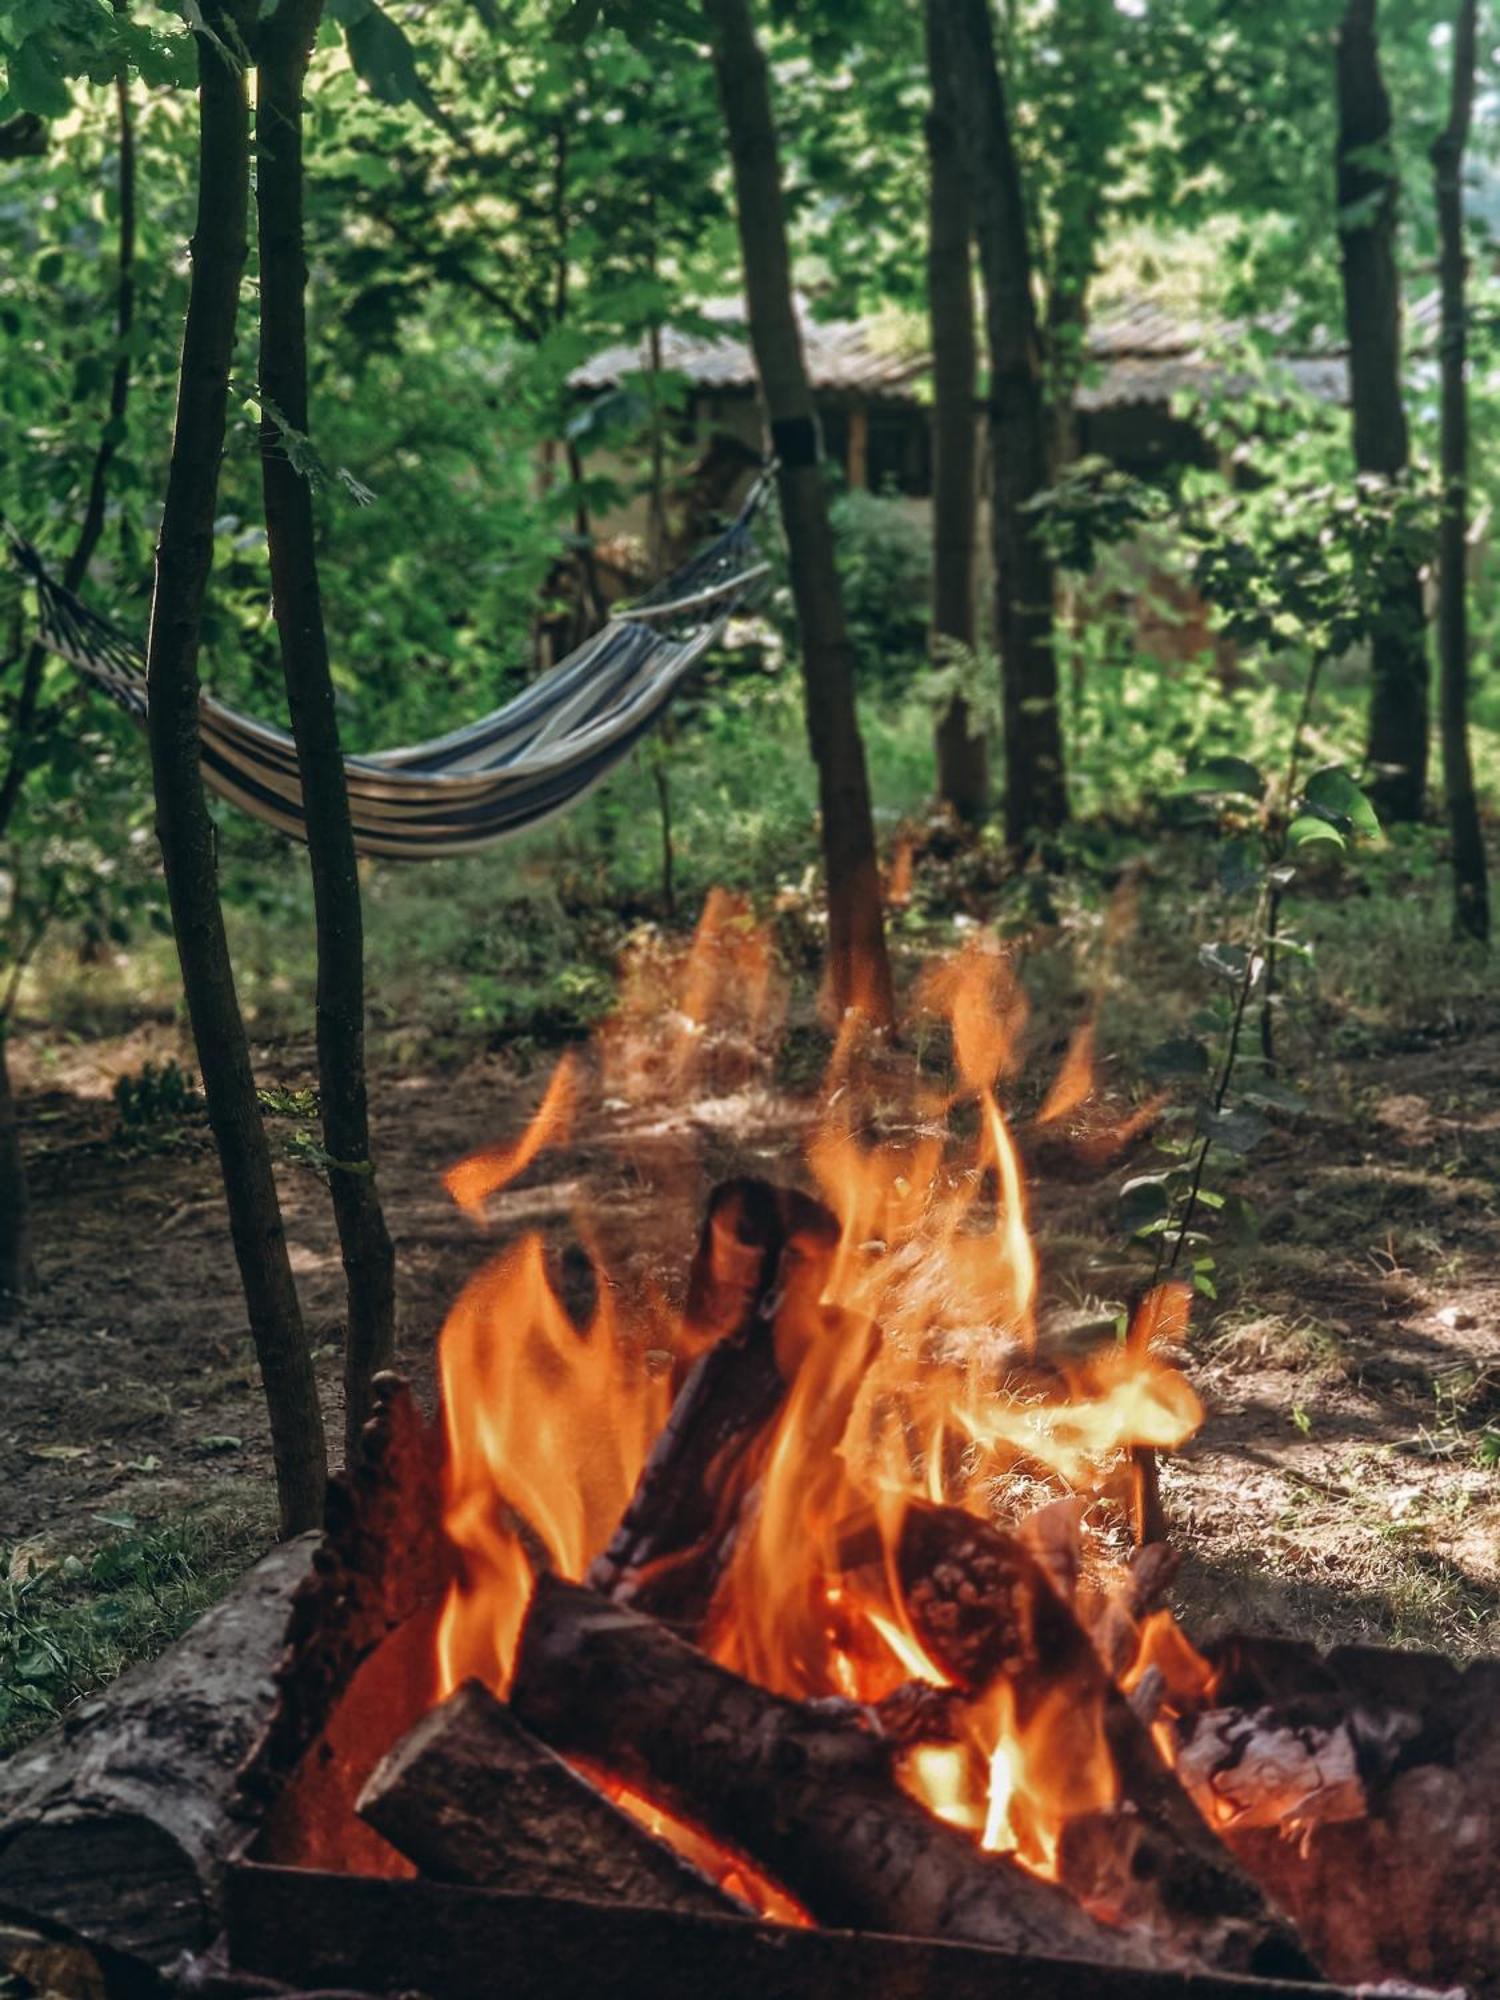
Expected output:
(856, 936)
(1471, 900)
(805, 1790)
(15, 1203)
(184, 557)
(283, 50)
(15, 1199)
(118, 1822)
(1036, 797)
(962, 755)
(1367, 194)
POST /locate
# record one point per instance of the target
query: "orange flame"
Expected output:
(917, 1370)
(472, 1181)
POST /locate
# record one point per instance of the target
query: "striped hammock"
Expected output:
(528, 761)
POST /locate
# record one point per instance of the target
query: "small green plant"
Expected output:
(280, 1101)
(158, 1095)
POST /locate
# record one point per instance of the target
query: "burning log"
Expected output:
(672, 1544)
(806, 1790)
(987, 1609)
(470, 1795)
(116, 1825)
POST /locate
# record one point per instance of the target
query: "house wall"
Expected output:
(885, 447)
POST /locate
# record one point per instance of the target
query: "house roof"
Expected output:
(1141, 354)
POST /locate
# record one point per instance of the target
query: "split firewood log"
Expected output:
(805, 1790)
(670, 1549)
(116, 1825)
(986, 1609)
(470, 1795)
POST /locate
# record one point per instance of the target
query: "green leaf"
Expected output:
(1231, 962)
(1143, 1201)
(1266, 1090)
(116, 1520)
(1238, 1131)
(1333, 792)
(1225, 776)
(384, 60)
(1179, 1055)
(1307, 829)
(36, 83)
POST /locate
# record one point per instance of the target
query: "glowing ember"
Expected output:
(915, 1372)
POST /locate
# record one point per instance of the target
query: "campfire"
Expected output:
(823, 1605)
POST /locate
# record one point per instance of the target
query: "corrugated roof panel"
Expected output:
(1146, 355)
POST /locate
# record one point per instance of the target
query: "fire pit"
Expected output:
(785, 1645)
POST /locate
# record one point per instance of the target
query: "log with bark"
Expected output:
(806, 1790)
(987, 1608)
(116, 1825)
(759, 1244)
(470, 1795)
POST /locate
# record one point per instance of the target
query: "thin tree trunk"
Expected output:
(962, 756)
(284, 50)
(1036, 797)
(1471, 901)
(15, 1202)
(1367, 195)
(15, 1199)
(184, 557)
(856, 936)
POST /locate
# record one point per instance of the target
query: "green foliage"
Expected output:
(159, 1094)
(885, 567)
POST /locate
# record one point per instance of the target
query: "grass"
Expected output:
(70, 1625)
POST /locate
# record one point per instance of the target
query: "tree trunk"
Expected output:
(962, 756)
(856, 937)
(284, 48)
(1367, 193)
(1471, 900)
(15, 1201)
(1036, 798)
(184, 557)
(15, 1206)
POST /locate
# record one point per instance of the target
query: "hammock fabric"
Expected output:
(501, 775)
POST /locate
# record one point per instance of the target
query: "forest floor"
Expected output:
(1345, 1483)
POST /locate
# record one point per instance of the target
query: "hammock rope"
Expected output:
(499, 776)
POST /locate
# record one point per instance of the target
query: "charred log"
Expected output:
(804, 1790)
(470, 1795)
(986, 1608)
(671, 1546)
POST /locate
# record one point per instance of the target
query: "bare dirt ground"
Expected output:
(1344, 1485)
